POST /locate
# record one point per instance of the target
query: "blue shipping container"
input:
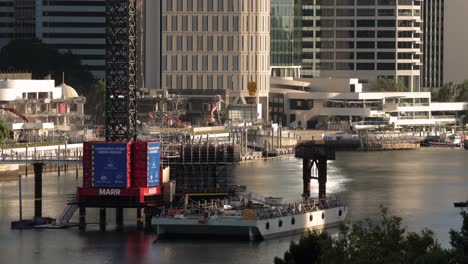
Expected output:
(110, 165)
(153, 163)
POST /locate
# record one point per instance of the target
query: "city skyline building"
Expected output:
(455, 60)
(432, 72)
(365, 39)
(286, 38)
(217, 47)
(77, 26)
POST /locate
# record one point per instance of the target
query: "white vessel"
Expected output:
(252, 221)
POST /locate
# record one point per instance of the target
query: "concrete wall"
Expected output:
(456, 41)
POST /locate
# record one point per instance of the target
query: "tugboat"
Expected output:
(255, 217)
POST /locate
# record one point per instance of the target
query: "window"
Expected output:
(225, 23)
(235, 63)
(230, 5)
(169, 43)
(365, 12)
(200, 82)
(200, 43)
(209, 80)
(179, 43)
(184, 23)
(365, 55)
(180, 5)
(179, 82)
(365, 66)
(189, 43)
(205, 62)
(210, 5)
(280, 223)
(386, 66)
(386, 44)
(220, 5)
(199, 5)
(386, 23)
(365, 34)
(174, 24)
(214, 23)
(366, 23)
(214, 65)
(174, 62)
(169, 81)
(386, 55)
(209, 39)
(194, 23)
(164, 23)
(205, 23)
(386, 12)
(220, 43)
(194, 63)
(169, 5)
(365, 45)
(385, 34)
(225, 63)
(190, 79)
(164, 63)
(184, 62)
(190, 6)
(235, 23)
(230, 43)
(220, 82)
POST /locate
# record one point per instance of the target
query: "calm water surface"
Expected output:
(420, 186)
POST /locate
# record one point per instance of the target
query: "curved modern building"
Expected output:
(365, 39)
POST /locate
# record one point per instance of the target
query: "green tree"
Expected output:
(41, 60)
(4, 132)
(96, 101)
(450, 92)
(385, 241)
(459, 241)
(387, 85)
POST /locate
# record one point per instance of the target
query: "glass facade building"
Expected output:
(285, 34)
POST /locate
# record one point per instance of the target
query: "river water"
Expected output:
(419, 186)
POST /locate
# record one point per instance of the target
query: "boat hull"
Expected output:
(255, 229)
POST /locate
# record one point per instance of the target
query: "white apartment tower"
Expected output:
(209, 47)
(365, 39)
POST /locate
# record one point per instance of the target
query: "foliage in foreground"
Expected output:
(383, 242)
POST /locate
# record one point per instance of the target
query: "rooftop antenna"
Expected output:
(63, 77)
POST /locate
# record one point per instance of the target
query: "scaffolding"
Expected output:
(201, 168)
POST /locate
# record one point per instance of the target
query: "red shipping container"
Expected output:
(140, 174)
(138, 183)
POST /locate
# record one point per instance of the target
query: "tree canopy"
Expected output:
(452, 92)
(4, 132)
(385, 241)
(387, 85)
(41, 60)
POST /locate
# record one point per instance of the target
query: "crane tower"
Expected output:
(121, 70)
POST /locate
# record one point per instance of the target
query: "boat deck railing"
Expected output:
(216, 208)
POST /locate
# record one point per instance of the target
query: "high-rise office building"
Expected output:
(365, 39)
(455, 59)
(310, 35)
(209, 47)
(77, 26)
(286, 38)
(432, 74)
(7, 21)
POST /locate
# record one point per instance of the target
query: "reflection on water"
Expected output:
(420, 186)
